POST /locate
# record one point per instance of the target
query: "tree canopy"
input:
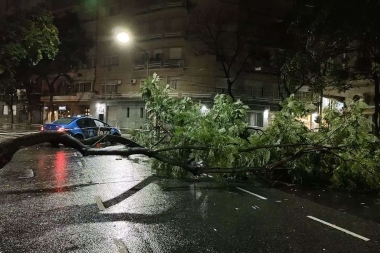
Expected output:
(28, 36)
(72, 49)
(336, 49)
(215, 140)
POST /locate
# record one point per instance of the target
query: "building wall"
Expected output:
(154, 27)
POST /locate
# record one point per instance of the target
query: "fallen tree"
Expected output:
(192, 141)
(10, 147)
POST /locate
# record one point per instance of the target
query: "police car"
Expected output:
(81, 127)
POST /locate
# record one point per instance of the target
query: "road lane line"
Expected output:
(254, 194)
(338, 228)
(99, 202)
(120, 246)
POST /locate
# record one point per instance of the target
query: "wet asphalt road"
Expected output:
(51, 201)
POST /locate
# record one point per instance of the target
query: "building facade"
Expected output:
(107, 85)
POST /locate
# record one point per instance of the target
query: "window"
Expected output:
(86, 122)
(141, 112)
(65, 89)
(256, 119)
(175, 53)
(174, 82)
(87, 111)
(127, 112)
(63, 121)
(88, 64)
(83, 87)
(110, 60)
(99, 123)
(5, 110)
(109, 88)
(158, 55)
(143, 57)
(14, 109)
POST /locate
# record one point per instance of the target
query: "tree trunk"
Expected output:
(11, 105)
(28, 91)
(29, 116)
(229, 83)
(377, 105)
(50, 111)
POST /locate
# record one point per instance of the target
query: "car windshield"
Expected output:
(63, 121)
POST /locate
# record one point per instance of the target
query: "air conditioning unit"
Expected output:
(133, 81)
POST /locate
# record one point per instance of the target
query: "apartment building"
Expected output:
(107, 85)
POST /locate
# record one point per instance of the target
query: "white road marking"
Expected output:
(339, 228)
(120, 246)
(99, 202)
(80, 164)
(254, 194)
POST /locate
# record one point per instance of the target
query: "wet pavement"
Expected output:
(55, 200)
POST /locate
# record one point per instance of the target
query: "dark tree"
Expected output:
(230, 32)
(344, 39)
(72, 50)
(27, 36)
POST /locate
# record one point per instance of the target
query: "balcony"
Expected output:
(155, 36)
(159, 64)
(164, 35)
(68, 96)
(173, 34)
(174, 64)
(166, 4)
(116, 95)
(155, 64)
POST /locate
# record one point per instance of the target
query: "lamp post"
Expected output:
(123, 37)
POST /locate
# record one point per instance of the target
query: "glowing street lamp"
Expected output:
(123, 37)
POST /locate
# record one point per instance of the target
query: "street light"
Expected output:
(124, 37)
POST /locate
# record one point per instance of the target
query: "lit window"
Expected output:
(256, 119)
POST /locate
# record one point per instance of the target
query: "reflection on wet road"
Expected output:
(49, 202)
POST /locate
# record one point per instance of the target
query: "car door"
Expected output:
(88, 127)
(102, 127)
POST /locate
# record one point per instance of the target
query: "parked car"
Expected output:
(80, 127)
